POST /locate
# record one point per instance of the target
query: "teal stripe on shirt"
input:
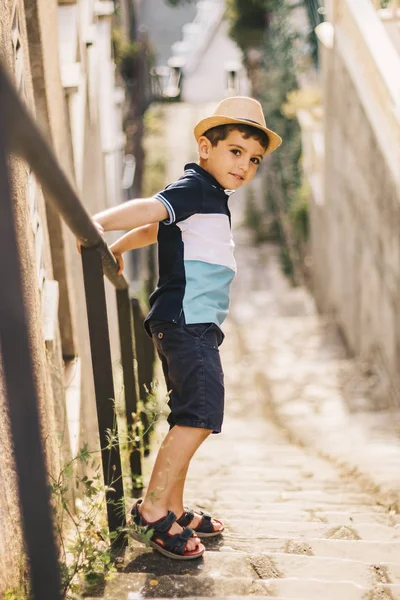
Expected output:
(206, 297)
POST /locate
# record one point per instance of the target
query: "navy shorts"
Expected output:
(193, 372)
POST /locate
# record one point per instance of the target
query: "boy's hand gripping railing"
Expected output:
(20, 135)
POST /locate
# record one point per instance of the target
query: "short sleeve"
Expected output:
(182, 199)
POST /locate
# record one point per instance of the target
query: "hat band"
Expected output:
(250, 121)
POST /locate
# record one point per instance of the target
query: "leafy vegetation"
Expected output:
(86, 559)
(249, 20)
(178, 2)
(283, 216)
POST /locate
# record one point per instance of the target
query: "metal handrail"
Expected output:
(21, 136)
(22, 396)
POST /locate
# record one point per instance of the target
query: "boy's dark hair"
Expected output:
(221, 132)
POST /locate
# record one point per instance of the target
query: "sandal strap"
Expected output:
(165, 524)
(186, 518)
(161, 526)
(205, 525)
(173, 543)
(137, 517)
(177, 543)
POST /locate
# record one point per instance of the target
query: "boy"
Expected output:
(190, 220)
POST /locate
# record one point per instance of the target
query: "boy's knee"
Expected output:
(206, 432)
(201, 432)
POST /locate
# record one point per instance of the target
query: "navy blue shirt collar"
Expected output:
(207, 176)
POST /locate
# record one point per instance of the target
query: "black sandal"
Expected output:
(156, 534)
(205, 529)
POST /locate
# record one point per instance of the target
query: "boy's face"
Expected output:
(233, 161)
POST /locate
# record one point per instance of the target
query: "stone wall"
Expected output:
(31, 226)
(29, 44)
(355, 231)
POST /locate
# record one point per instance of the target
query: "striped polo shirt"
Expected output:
(195, 251)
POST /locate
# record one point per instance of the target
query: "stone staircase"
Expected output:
(295, 528)
(298, 524)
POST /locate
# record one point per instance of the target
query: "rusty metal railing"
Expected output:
(20, 136)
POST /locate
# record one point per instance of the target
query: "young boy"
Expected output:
(190, 220)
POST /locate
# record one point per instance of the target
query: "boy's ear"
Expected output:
(204, 147)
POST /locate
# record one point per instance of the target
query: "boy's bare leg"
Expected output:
(173, 458)
(177, 505)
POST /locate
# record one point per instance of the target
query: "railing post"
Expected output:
(145, 360)
(104, 390)
(130, 387)
(23, 402)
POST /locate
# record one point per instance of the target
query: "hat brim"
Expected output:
(205, 124)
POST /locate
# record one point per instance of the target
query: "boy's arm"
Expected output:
(132, 215)
(137, 238)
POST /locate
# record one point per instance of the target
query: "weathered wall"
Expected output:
(11, 553)
(37, 74)
(355, 239)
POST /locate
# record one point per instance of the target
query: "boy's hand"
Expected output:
(120, 261)
(100, 229)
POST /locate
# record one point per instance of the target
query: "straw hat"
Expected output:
(242, 111)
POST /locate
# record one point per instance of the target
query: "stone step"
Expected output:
(256, 528)
(306, 485)
(328, 590)
(315, 498)
(361, 550)
(132, 586)
(374, 552)
(277, 474)
(272, 512)
(265, 566)
(328, 569)
(212, 564)
(271, 504)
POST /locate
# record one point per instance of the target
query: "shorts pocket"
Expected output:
(160, 328)
(205, 332)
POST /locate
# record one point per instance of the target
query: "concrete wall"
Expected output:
(31, 228)
(356, 213)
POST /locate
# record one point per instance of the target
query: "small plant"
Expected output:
(86, 558)
(179, 2)
(16, 594)
(85, 553)
(143, 533)
(249, 20)
(262, 225)
(299, 214)
(127, 56)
